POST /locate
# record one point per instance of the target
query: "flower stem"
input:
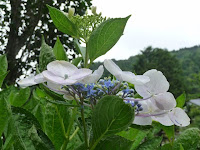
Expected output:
(84, 126)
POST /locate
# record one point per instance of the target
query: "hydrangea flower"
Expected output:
(156, 90)
(124, 75)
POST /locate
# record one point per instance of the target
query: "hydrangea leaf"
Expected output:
(46, 55)
(62, 22)
(105, 36)
(115, 143)
(59, 51)
(151, 144)
(111, 115)
(181, 100)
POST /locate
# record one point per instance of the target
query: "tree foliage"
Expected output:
(21, 26)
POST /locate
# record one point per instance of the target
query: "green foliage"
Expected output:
(3, 68)
(115, 143)
(189, 139)
(76, 61)
(18, 97)
(180, 101)
(111, 115)
(151, 144)
(3, 113)
(81, 50)
(62, 22)
(46, 55)
(105, 36)
(59, 51)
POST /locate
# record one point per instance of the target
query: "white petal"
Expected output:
(61, 68)
(32, 80)
(27, 82)
(158, 82)
(142, 120)
(80, 74)
(49, 76)
(165, 101)
(57, 88)
(142, 90)
(179, 117)
(94, 77)
(39, 78)
(132, 78)
(113, 68)
(163, 119)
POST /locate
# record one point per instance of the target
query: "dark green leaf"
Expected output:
(189, 139)
(169, 131)
(3, 64)
(181, 147)
(62, 22)
(59, 51)
(18, 97)
(111, 115)
(139, 137)
(46, 55)
(56, 123)
(104, 37)
(151, 144)
(181, 100)
(3, 113)
(129, 134)
(114, 143)
(2, 77)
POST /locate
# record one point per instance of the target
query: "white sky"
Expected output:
(170, 24)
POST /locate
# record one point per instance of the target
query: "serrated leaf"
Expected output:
(181, 100)
(129, 134)
(151, 144)
(189, 139)
(3, 114)
(59, 51)
(62, 22)
(25, 131)
(114, 143)
(56, 123)
(46, 55)
(111, 115)
(105, 36)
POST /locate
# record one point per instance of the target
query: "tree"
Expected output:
(21, 25)
(162, 60)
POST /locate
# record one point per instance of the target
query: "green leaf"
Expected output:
(181, 100)
(46, 55)
(111, 115)
(181, 147)
(139, 137)
(3, 64)
(18, 97)
(189, 139)
(114, 143)
(129, 134)
(169, 131)
(59, 51)
(104, 37)
(151, 144)
(76, 61)
(80, 49)
(26, 131)
(3, 114)
(2, 77)
(56, 123)
(62, 22)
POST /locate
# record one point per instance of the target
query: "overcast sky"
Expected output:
(170, 24)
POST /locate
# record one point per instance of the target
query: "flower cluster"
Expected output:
(82, 84)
